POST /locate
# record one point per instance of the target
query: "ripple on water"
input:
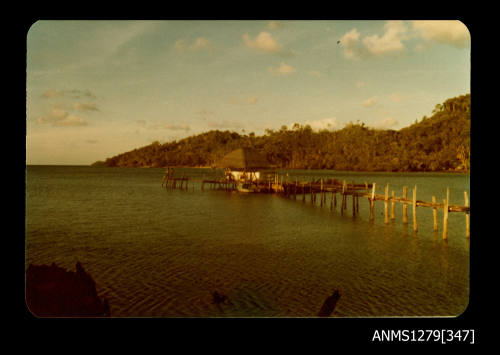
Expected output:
(161, 253)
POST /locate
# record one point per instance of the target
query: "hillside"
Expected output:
(437, 143)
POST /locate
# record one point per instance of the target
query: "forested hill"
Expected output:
(437, 143)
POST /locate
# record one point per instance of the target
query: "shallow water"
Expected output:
(157, 252)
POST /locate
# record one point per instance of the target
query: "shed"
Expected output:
(244, 164)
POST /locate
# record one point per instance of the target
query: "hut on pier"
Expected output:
(247, 167)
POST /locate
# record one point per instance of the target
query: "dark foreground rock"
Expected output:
(329, 304)
(51, 291)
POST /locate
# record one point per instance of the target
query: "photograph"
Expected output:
(249, 168)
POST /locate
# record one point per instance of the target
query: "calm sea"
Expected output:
(157, 252)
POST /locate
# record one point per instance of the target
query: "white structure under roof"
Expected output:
(246, 166)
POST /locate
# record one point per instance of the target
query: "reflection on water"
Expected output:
(161, 253)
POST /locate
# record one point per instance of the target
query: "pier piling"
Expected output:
(393, 217)
(405, 207)
(467, 217)
(386, 204)
(445, 213)
(434, 214)
(415, 227)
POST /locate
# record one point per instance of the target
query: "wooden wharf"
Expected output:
(170, 181)
(332, 187)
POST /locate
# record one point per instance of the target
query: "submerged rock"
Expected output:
(329, 305)
(51, 291)
(219, 298)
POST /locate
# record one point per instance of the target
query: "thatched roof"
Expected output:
(244, 158)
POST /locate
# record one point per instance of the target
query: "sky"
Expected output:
(96, 88)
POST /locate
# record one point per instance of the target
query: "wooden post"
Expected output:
(295, 189)
(467, 216)
(331, 201)
(311, 191)
(415, 227)
(345, 196)
(445, 213)
(344, 204)
(434, 214)
(372, 203)
(342, 199)
(303, 191)
(353, 204)
(386, 204)
(321, 194)
(392, 205)
(405, 215)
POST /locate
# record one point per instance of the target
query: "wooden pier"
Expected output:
(170, 181)
(324, 187)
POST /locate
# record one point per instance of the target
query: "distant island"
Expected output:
(437, 143)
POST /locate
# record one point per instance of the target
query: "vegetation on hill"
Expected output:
(437, 143)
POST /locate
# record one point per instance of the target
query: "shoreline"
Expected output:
(275, 169)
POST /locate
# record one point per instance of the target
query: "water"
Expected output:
(160, 253)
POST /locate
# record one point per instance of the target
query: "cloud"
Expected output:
(395, 33)
(199, 43)
(224, 124)
(350, 44)
(177, 127)
(92, 141)
(249, 100)
(58, 115)
(389, 43)
(370, 102)
(453, 33)
(51, 93)
(205, 112)
(42, 120)
(55, 114)
(75, 93)
(71, 120)
(326, 123)
(315, 73)
(283, 69)
(163, 125)
(84, 107)
(360, 84)
(263, 42)
(387, 123)
(272, 25)
(180, 45)
(396, 98)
